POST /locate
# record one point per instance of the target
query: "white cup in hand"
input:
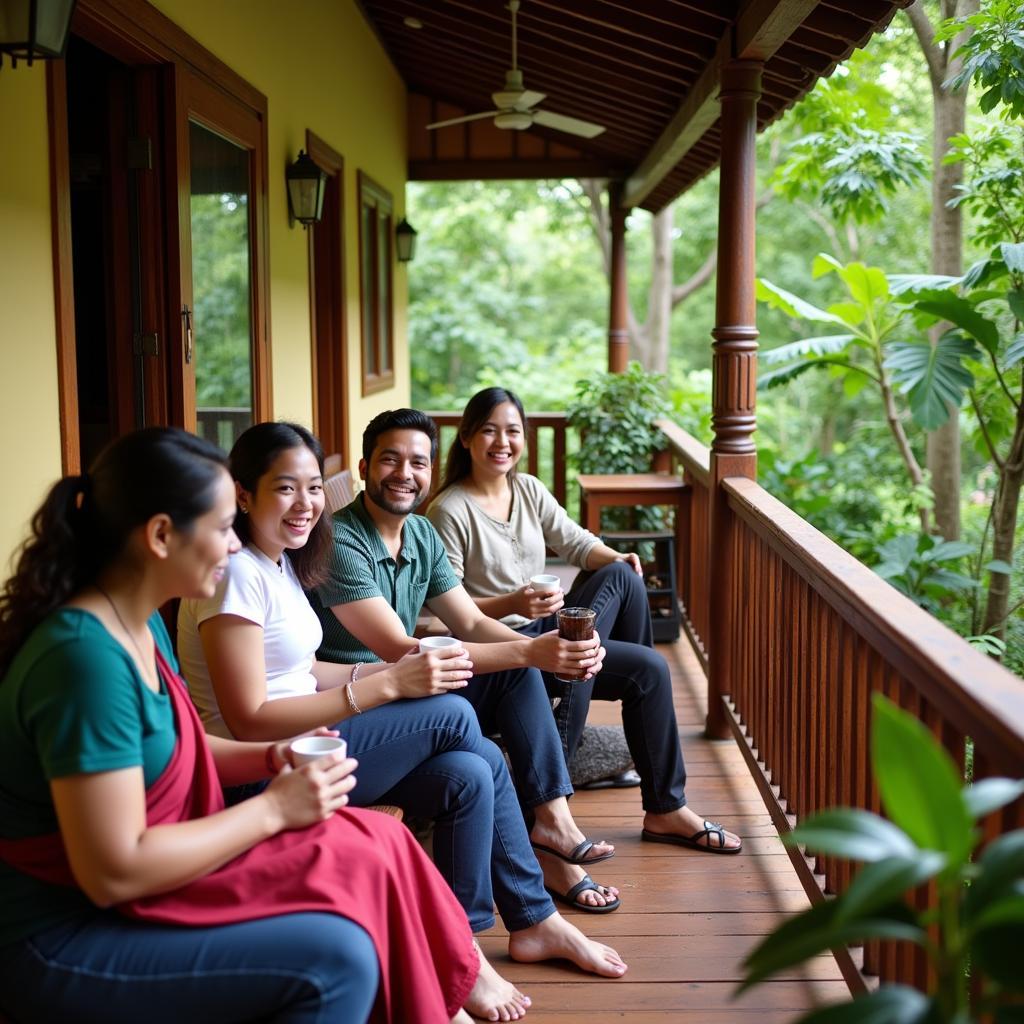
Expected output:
(439, 643)
(545, 583)
(310, 748)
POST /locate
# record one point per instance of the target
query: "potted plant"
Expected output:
(973, 933)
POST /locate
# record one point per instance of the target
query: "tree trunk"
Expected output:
(1004, 525)
(653, 346)
(943, 452)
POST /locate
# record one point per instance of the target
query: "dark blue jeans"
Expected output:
(292, 969)
(634, 673)
(430, 757)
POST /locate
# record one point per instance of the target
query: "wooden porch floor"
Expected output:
(688, 919)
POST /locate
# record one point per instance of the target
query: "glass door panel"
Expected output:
(219, 210)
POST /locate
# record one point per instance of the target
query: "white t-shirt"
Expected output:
(261, 591)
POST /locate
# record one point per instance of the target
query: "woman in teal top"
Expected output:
(126, 892)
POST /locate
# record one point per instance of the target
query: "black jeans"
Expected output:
(634, 673)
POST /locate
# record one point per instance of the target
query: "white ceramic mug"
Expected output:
(545, 583)
(439, 643)
(309, 748)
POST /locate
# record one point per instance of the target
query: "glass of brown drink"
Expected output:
(575, 624)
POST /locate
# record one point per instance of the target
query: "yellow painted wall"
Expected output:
(336, 81)
(29, 423)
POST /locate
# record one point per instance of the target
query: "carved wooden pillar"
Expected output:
(734, 363)
(618, 306)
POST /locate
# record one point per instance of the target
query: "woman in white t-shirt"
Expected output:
(248, 654)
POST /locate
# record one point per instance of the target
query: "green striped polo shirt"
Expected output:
(362, 567)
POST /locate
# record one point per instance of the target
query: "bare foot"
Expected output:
(494, 998)
(684, 822)
(555, 938)
(561, 877)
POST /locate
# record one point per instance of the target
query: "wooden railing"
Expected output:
(814, 634)
(222, 425)
(548, 439)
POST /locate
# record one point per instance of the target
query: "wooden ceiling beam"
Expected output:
(761, 28)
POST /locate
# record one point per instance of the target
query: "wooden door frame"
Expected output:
(327, 306)
(136, 33)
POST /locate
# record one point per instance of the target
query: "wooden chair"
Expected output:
(338, 490)
(332, 464)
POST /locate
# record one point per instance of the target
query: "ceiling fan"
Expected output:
(514, 104)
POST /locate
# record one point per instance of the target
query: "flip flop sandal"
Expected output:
(711, 828)
(577, 856)
(624, 780)
(583, 885)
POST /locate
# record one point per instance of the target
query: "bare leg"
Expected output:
(494, 998)
(684, 822)
(555, 938)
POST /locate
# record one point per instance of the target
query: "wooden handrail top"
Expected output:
(695, 457)
(984, 699)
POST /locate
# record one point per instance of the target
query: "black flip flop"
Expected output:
(624, 780)
(711, 828)
(583, 885)
(577, 856)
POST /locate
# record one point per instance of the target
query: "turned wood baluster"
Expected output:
(618, 305)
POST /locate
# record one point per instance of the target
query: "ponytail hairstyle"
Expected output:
(85, 521)
(459, 464)
(253, 453)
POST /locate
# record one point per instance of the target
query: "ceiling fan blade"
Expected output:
(572, 125)
(463, 120)
(517, 99)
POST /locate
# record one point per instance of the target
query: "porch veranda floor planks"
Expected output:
(688, 919)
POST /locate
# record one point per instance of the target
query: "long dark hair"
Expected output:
(85, 521)
(478, 409)
(250, 459)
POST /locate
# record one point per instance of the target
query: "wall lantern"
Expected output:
(405, 241)
(306, 183)
(34, 28)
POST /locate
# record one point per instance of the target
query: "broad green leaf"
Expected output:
(815, 931)
(919, 783)
(792, 304)
(783, 375)
(854, 834)
(933, 376)
(899, 284)
(806, 347)
(849, 312)
(1002, 912)
(878, 885)
(1013, 255)
(890, 1004)
(989, 795)
(946, 550)
(867, 285)
(984, 271)
(998, 868)
(853, 385)
(961, 312)
(1015, 353)
(824, 264)
(1015, 298)
(997, 951)
(999, 566)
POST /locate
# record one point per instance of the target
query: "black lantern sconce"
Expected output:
(34, 28)
(306, 183)
(405, 241)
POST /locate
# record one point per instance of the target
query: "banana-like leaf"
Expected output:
(815, 931)
(964, 315)
(1015, 353)
(933, 376)
(824, 264)
(853, 834)
(900, 284)
(783, 375)
(868, 285)
(919, 783)
(890, 1004)
(792, 304)
(827, 345)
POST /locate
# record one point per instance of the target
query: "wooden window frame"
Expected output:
(377, 199)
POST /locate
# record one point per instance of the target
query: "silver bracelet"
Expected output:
(355, 671)
(352, 705)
